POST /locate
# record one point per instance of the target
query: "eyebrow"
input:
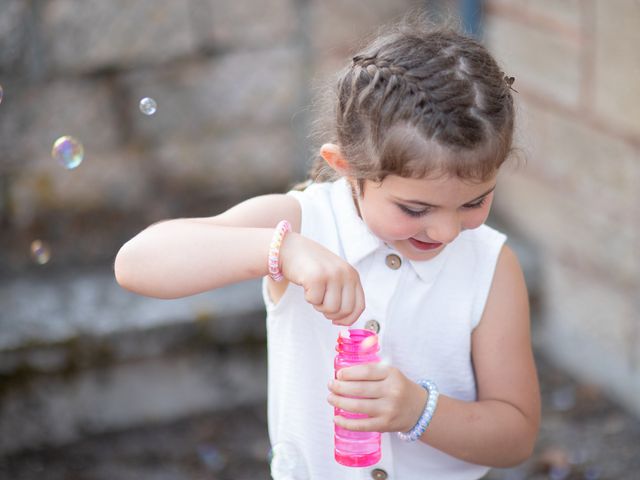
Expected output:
(419, 202)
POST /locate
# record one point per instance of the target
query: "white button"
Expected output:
(379, 474)
(393, 261)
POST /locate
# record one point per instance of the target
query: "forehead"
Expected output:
(436, 190)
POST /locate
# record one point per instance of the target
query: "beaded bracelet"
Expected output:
(274, 249)
(423, 422)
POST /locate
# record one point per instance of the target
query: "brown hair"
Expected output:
(421, 100)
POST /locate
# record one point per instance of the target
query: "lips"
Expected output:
(424, 245)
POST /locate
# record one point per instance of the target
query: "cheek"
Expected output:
(475, 218)
(401, 228)
(389, 224)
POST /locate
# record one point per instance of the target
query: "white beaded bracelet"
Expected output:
(423, 422)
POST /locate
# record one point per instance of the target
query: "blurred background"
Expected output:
(97, 383)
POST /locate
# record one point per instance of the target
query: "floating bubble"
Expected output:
(68, 151)
(288, 462)
(148, 106)
(563, 399)
(211, 457)
(40, 252)
(559, 472)
(1, 93)
(593, 473)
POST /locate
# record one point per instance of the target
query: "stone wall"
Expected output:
(577, 201)
(233, 82)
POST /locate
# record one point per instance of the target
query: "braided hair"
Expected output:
(419, 101)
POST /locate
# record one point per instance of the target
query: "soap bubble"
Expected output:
(288, 462)
(563, 399)
(148, 106)
(68, 151)
(559, 472)
(40, 252)
(593, 473)
(1, 93)
(211, 457)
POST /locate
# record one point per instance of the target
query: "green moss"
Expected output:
(80, 353)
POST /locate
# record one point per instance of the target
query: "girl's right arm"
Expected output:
(181, 257)
(185, 256)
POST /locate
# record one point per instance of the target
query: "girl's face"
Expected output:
(418, 217)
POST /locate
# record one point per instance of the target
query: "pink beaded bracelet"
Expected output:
(274, 250)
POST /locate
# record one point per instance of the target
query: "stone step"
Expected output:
(79, 355)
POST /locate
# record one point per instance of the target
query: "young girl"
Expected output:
(390, 236)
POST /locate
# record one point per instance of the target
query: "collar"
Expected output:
(359, 242)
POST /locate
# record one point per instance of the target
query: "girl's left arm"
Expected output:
(500, 428)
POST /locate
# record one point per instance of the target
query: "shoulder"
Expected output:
(508, 277)
(508, 301)
(267, 210)
(314, 192)
(317, 206)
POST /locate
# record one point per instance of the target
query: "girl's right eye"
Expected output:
(412, 213)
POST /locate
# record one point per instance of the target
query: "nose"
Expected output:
(444, 229)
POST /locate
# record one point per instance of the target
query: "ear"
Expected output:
(331, 154)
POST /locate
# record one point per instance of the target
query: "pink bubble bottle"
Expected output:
(355, 449)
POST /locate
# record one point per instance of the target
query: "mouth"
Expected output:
(424, 245)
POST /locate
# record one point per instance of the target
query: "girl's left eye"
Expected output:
(411, 212)
(477, 204)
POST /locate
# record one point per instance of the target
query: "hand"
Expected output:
(392, 401)
(331, 285)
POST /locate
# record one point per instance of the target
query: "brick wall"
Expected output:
(577, 200)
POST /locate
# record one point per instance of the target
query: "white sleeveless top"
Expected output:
(426, 310)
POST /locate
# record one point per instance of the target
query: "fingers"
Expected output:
(330, 284)
(359, 425)
(358, 305)
(340, 298)
(366, 406)
(364, 372)
(352, 301)
(385, 395)
(355, 389)
(374, 422)
(347, 312)
(314, 294)
(332, 304)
